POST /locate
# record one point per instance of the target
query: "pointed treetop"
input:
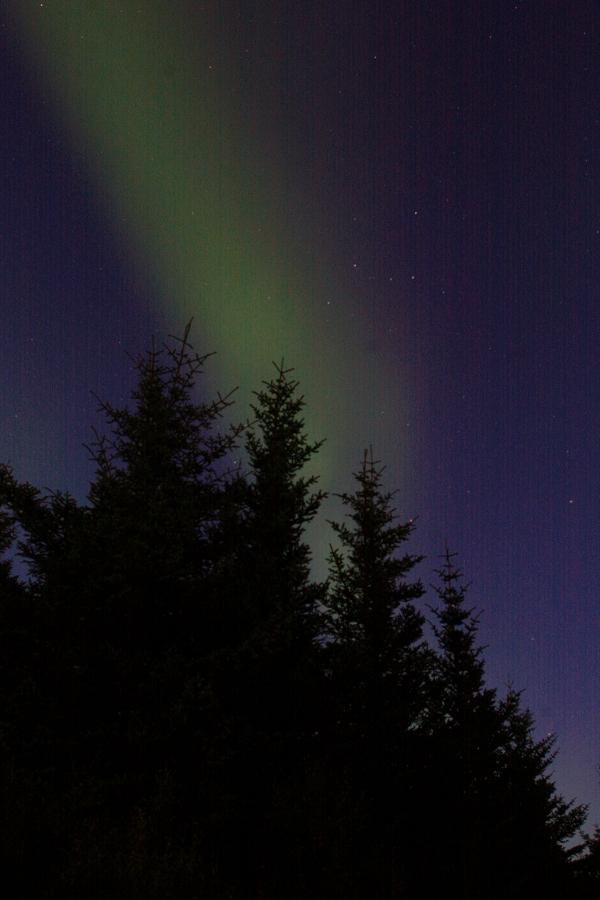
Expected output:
(168, 434)
(370, 597)
(460, 664)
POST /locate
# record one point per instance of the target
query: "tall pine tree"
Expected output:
(465, 733)
(156, 498)
(378, 667)
(271, 681)
(371, 618)
(124, 610)
(491, 814)
(278, 602)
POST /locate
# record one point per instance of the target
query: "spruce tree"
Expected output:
(123, 611)
(371, 619)
(279, 605)
(154, 541)
(157, 495)
(533, 821)
(378, 668)
(279, 506)
(271, 682)
(465, 729)
(587, 867)
(491, 810)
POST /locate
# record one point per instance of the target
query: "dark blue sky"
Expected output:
(454, 149)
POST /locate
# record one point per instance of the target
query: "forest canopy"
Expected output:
(185, 712)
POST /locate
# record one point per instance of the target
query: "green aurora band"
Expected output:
(163, 134)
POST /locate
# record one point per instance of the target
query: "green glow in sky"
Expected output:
(161, 127)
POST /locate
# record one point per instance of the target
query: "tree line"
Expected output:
(185, 713)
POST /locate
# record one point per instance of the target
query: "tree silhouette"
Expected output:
(488, 774)
(378, 668)
(371, 616)
(535, 821)
(122, 605)
(270, 678)
(587, 867)
(155, 541)
(279, 505)
(157, 493)
(184, 713)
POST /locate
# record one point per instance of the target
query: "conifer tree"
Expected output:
(378, 667)
(280, 605)
(460, 664)
(499, 824)
(371, 616)
(271, 681)
(535, 821)
(153, 542)
(123, 605)
(587, 867)
(157, 493)
(465, 729)
(280, 504)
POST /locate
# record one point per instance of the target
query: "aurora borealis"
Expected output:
(402, 201)
(163, 134)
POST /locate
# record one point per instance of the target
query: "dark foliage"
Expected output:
(268, 677)
(491, 803)
(185, 713)
(378, 668)
(371, 616)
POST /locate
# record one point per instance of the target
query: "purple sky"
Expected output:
(453, 151)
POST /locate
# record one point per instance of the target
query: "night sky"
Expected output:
(402, 200)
